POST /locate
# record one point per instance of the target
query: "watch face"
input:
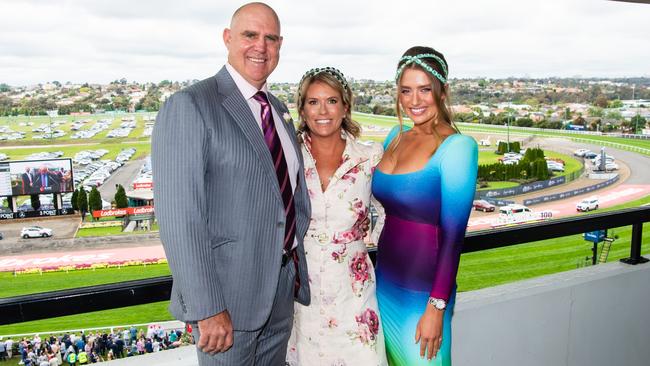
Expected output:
(440, 305)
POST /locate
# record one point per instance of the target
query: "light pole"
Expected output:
(508, 129)
(638, 115)
(52, 113)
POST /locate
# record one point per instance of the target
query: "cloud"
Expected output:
(147, 40)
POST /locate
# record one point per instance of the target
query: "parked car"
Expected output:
(609, 166)
(35, 232)
(581, 152)
(590, 155)
(587, 204)
(513, 209)
(596, 162)
(554, 166)
(512, 155)
(607, 158)
(483, 205)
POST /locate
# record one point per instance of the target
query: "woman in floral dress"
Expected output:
(341, 325)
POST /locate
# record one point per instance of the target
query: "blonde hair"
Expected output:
(349, 125)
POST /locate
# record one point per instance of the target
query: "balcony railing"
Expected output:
(116, 295)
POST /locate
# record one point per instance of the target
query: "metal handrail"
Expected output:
(116, 295)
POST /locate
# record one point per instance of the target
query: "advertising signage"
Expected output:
(37, 213)
(21, 178)
(141, 210)
(142, 185)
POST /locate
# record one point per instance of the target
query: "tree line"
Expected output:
(84, 203)
(532, 167)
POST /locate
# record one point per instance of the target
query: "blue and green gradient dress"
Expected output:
(420, 245)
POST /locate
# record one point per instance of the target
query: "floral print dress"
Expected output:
(341, 325)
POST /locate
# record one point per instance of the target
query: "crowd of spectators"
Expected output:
(84, 348)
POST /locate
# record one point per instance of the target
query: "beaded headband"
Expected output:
(330, 70)
(417, 59)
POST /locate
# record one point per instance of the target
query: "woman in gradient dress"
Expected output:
(426, 182)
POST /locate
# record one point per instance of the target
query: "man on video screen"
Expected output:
(45, 181)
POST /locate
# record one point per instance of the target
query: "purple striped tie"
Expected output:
(277, 154)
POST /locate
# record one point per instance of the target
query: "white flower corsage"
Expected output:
(287, 117)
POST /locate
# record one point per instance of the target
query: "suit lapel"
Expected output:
(235, 104)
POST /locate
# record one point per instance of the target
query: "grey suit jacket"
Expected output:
(219, 206)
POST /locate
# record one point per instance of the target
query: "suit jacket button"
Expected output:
(280, 224)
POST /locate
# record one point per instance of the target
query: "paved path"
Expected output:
(124, 176)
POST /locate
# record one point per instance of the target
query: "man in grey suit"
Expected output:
(232, 202)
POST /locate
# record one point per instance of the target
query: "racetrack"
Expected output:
(634, 181)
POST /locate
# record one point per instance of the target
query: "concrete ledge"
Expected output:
(182, 356)
(588, 317)
(592, 316)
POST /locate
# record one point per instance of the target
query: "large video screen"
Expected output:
(36, 177)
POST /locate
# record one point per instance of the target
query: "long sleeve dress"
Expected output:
(419, 248)
(341, 326)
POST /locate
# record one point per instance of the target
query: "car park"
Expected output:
(483, 205)
(587, 204)
(35, 232)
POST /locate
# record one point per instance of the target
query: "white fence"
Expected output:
(525, 131)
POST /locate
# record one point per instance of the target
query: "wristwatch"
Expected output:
(439, 304)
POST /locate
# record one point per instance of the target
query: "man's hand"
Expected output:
(215, 333)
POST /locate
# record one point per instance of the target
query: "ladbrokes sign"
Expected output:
(105, 213)
(142, 210)
(143, 185)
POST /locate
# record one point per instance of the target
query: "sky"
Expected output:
(98, 41)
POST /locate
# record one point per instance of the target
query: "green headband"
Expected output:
(417, 59)
(330, 70)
